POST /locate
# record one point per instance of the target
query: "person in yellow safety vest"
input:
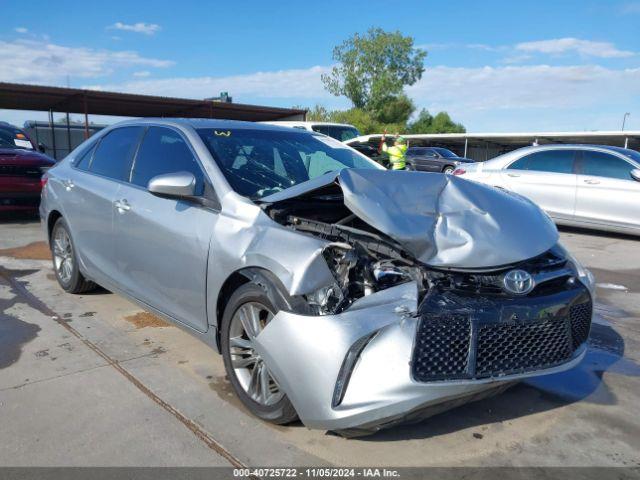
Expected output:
(397, 153)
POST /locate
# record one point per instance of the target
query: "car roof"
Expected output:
(564, 146)
(204, 123)
(290, 123)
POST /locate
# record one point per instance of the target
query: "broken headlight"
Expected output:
(357, 274)
(583, 273)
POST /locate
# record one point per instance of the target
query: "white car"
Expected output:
(339, 131)
(591, 186)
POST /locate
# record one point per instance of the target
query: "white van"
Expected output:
(339, 131)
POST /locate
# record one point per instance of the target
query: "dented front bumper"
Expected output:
(354, 370)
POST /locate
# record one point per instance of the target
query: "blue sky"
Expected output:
(494, 65)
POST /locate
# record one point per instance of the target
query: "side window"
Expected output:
(113, 154)
(85, 159)
(164, 151)
(602, 164)
(323, 129)
(552, 161)
(429, 153)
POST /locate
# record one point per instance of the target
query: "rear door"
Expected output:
(162, 243)
(425, 160)
(90, 189)
(607, 193)
(548, 178)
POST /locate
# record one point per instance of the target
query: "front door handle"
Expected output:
(592, 182)
(122, 205)
(68, 184)
(513, 174)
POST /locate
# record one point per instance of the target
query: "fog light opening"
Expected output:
(346, 369)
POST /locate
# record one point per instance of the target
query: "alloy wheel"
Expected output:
(63, 255)
(250, 370)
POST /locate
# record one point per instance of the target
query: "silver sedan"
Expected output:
(587, 186)
(338, 292)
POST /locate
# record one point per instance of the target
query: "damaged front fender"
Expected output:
(305, 353)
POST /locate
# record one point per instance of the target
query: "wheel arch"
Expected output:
(53, 217)
(265, 279)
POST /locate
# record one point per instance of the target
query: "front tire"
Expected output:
(448, 170)
(65, 260)
(246, 314)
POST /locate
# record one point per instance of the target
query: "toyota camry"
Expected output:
(337, 292)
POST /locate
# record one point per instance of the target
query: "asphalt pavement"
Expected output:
(92, 379)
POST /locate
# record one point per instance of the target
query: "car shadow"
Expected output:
(583, 383)
(21, 218)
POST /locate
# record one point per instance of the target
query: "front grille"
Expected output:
(464, 347)
(442, 349)
(20, 171)
(580, 317)
(519, 347)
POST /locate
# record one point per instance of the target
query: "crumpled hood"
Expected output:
(443, 220)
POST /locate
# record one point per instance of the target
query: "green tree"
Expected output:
(361, 119)
(373, 67)
(395, 110)
(318, 114)
(441, 123)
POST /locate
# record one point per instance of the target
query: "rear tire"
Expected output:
(65, 260)
(249, 305)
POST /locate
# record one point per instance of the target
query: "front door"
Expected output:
(607, 193)
(162, 243)
(547, 178)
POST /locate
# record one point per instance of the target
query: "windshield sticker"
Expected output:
(22, 143)
(222, 133)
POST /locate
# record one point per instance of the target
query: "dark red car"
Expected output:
(21, 170)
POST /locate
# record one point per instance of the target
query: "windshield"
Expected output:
(257, 163)
(445, 153)
(11, 137)
(337, 131)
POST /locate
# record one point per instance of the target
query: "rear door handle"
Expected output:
(122, 205)
(513, 174)
(592, 182)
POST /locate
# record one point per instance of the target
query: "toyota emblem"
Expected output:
(518, 282)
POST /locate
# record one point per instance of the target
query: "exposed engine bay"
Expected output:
(364, 260)
(361, 259)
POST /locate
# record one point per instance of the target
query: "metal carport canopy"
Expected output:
(95, 102)
(620, 138)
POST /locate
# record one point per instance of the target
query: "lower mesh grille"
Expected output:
(442, 349)
(519, 347)
(446, 349)
(580, 317)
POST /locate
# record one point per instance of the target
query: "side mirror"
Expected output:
(635, 174)
(173, 185)
(42, 148)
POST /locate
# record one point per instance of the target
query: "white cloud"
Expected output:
(31, 61)
(140, 27)
(282, 84)
(21, 30)
(513, 88)
(142, 74)
(587, 48)
(502, 98)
